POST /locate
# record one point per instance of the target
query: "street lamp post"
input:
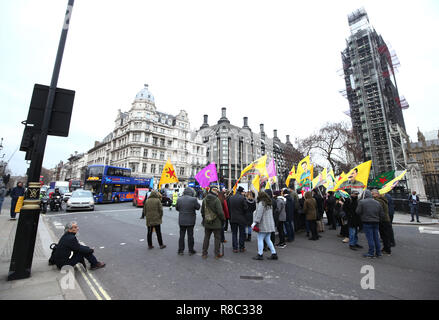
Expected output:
(24, 244)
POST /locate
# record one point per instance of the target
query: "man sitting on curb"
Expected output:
(69, 243)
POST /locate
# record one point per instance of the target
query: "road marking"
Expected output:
(428, 230)
(89, 284)
(141, 240)
(101, 247)
(123, 243)
(103, 292)
(103, 211)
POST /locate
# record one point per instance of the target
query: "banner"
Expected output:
(207, 175)
(392, 184)
(304, 173)
(168, 174)
(330, 181)
(320, 180)
(356, 179)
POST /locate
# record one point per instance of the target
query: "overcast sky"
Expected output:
(274, 61)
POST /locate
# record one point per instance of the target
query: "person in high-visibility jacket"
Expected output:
(174, 199)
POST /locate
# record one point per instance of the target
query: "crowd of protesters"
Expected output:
(274, 218)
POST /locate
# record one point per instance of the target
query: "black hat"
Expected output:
(241, 189)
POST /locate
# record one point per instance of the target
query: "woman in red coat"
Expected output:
(223, 201)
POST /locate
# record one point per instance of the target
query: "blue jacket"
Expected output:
(17, 192)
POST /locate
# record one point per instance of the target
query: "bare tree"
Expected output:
(333, 142)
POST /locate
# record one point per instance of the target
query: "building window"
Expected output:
(144, 168)
(153, 167)
(162, 142)
(160, 168)
(154, 154)
(154, 140)
(182, 171)
(145, 153)
(162, 155)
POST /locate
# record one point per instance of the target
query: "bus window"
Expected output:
(117, 188)
(94, 187)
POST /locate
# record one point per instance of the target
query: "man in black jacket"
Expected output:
(238, 209)
(354, 220)
(414, 204)
(289, 209)
(187, 207)
(68, 244)
(330, 208)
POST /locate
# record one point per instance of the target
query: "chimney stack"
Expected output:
(262, 131)
(288, 138)
(205, 124)
(246, 123)
(223, 116)
(274, 133)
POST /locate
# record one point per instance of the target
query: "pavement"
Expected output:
(46, 282)
(49, 283)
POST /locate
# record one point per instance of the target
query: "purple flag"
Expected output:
(271, 169)
(207, 175)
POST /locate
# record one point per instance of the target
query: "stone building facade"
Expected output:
(232, 148)
(143, 139)
(426, 153)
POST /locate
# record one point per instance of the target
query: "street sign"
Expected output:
(61, 113)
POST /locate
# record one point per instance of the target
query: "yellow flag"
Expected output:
(330, 181)
(168, 174)
(320, 179)
(255, 182)
(261, 166)
(391, 184)
(356, 179)
(304, 173)
(291, 175)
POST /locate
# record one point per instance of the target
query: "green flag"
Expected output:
(382, 179)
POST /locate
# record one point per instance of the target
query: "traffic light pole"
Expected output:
(24, 244)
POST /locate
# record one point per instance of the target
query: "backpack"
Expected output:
(209, 215)
(52, 256)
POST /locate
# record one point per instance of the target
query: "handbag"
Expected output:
(256, 228)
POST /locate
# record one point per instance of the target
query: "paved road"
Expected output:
(324, 269)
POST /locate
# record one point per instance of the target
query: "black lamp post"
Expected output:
(24, 244)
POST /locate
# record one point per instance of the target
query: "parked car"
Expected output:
(139, 196)
(80, 200)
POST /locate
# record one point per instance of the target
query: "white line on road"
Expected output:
(87, 212)
(428, 230)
